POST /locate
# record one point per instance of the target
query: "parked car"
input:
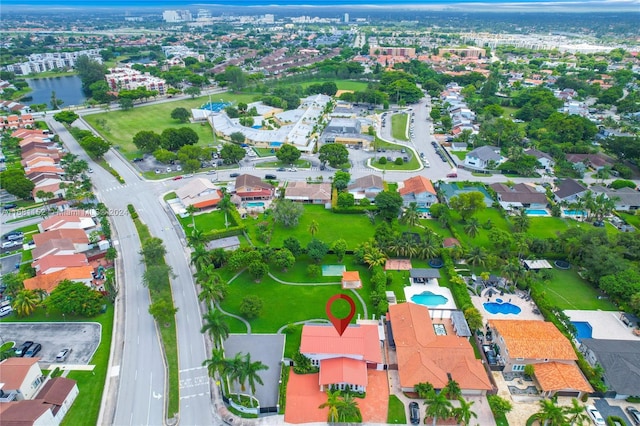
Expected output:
(14, 235)
(177, 177)
(234, 175)
(63, 355)
(5, 309)
(33, 350)
(137, 160)
(280, 169)
(634, 415)
(595, 415)
(270, 177)
(414, 413)
(24, 348)
(10, 206)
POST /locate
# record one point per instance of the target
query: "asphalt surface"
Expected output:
(82, 337)
(607, 410)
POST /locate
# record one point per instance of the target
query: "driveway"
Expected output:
(82, 337)
(611, 410)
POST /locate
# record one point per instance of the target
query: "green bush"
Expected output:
(399, 161)
(382, 160)
(132, 211)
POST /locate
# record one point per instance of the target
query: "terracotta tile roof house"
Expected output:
(569, 190)
(52, 263)
(542, 345)
(417, 189)
(520, 195)
(59, 392)
(49, 282)
(450, 242)
(311, 193)
(249, 187)
(48, 186)
(199, 193)
(23, 133)
(424, 356)
(366, 187)
(52, 248)
(345, 357)
(38, 161)
(43, 169)
(351, 279)
(68, 219)
(20, 378)
(40, 152)
(78, 237)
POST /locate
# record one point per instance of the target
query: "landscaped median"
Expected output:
(156, 279)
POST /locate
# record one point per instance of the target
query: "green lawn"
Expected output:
(399, 126)
(551, 227)
(567, 290)
(460, 154)
(85, 409)
(303, 164)
(631, 219)
(205, 222)
(482, 239)
(119, 127)
(396, 414)
(353, 228)
(342, 84)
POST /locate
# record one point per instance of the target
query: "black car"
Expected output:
(414, 413)
(137, 160)
(234, 175)
(270, 177)
(10, 206)
(33, 350)
(24, 348)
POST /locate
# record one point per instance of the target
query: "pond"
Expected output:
(68, 89)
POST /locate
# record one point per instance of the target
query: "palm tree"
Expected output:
(191, 210)
(196, 237)
(476, 256)
(213, 290)
(349, 411)
(234, 371)
(205, 273)
(26, 302)
(550, 413)
(313, 228)
(472, 227)
(216, 325)
(521, 221)
(374, 257)
(411, 215)
(371, 215)
(216, 363)
(575, 413)
(251, 370)
(438, 406)
(333, 402)
(463, 414)
(423, 389)
(452, 389)
(200, 257)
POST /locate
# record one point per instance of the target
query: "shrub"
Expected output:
(313, 270)
(132, 211)
(399, 161)
(382, 160)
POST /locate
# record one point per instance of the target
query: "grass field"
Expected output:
(205, 222)
(342, 84)
(399, 126)
(567, 290)
(460, 154)
(631, 219)
(330, 226)
(482, 239)
(119, 127)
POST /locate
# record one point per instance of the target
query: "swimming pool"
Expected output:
(428, 298)
(583, 330)
(501, 308)
(536, 212)
(333, 270)
(423, 209)
(574, 212)
(255, 204)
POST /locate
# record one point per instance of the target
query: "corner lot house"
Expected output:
(619, 359)
(483, 157)
(20, 378)
(343, 360)
(540, 344)
(199, 193)
(419, 190)
(424, 356)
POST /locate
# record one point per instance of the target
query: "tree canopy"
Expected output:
(333, 153)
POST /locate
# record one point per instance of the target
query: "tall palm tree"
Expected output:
(472, 227)
(213, 290)
(313, 228)
(576, 414)
(476, 256)
(191, 210)
(349, 411)
(374, 257)
(333, 403)
(200, 257)
(216, 325)
(251, 369)
(371, 215)
(550, 413)
(438, 406)
(25, 303)
(216, 363)
(463, 413)
(196, 237)
(234, 371)
(452, 389)
(411, 215)
(521, 221)
(423, 389)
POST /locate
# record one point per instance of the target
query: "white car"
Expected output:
(595, 415)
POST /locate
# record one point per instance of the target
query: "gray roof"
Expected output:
(224, 243)
(424, 273)
(460, 324)
(485, 153)
(569, 187)
(619, 359)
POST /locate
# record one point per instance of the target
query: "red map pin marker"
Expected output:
(341, 324)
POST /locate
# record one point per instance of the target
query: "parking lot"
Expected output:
(82, 337)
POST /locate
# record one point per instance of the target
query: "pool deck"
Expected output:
(526, 307)
(435, 289)
(605, 324)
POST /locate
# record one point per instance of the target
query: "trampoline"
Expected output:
(436, 263)
(562, 264)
